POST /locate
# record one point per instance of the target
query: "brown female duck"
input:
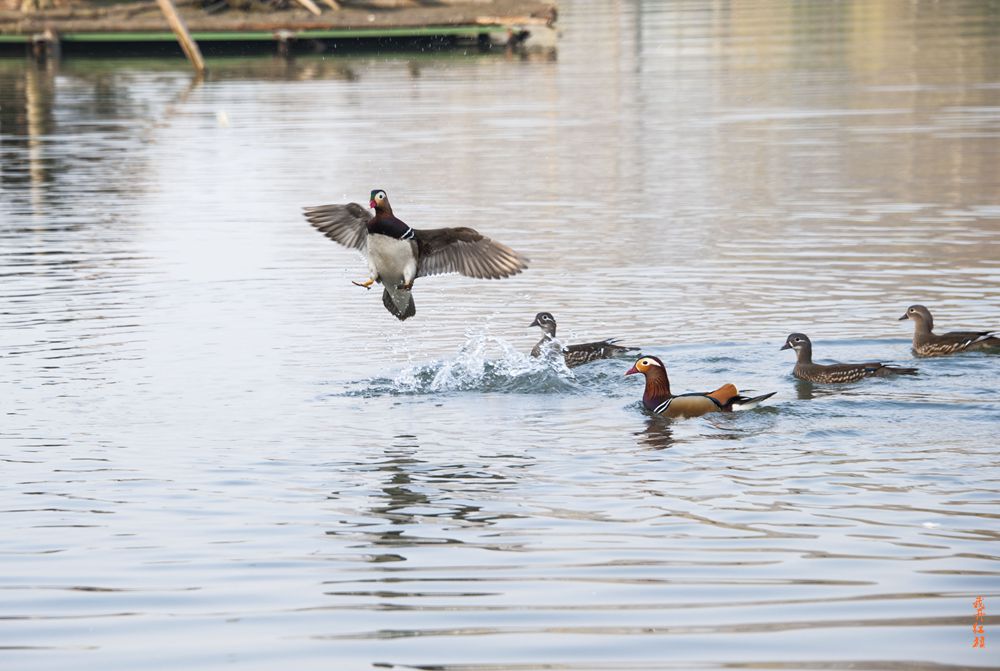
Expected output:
(927, 343)
(835, 373)
(574, 355)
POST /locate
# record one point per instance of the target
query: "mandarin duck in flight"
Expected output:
(573, 355)
(660, 400)
(926, 343)
(819, 373)
(398, 254)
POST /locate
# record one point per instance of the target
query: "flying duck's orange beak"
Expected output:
(371, 204)
(632, 371)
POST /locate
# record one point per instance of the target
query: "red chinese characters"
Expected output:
(977, 624)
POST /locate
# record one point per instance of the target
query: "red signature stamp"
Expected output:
(977, 623)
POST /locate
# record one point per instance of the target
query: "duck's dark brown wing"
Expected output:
(847, 372)
(592, 351)
(955, 341)
(465, 251)
(346, 224)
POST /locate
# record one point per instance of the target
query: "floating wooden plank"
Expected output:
(450, 22)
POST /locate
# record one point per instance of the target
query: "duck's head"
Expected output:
(645, 365)
(919, 313)
(545, 321)
(796, 341)
(379, 201)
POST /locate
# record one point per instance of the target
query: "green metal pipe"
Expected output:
(253, 36)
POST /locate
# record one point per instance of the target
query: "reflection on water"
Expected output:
(806, 391)
(658, 434)
(209, 435)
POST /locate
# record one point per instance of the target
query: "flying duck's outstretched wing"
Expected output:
(346, 224)
(465, 251)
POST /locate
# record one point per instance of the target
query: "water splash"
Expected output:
(483, 363)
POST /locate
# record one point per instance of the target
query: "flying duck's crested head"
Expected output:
(379, 200)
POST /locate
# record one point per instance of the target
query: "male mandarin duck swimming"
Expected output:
(658, 398)
(398, 254)
(926, 343)
(573, 355)
(806, 370)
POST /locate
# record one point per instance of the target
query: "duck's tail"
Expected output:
(749, 402)
(896, 370)
(399, 302)
(612, 348)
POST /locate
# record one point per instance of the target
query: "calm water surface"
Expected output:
(218, 453)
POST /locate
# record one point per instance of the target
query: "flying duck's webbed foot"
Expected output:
(366, 285)
(405, 286)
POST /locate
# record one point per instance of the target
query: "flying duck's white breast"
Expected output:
(390, 258)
